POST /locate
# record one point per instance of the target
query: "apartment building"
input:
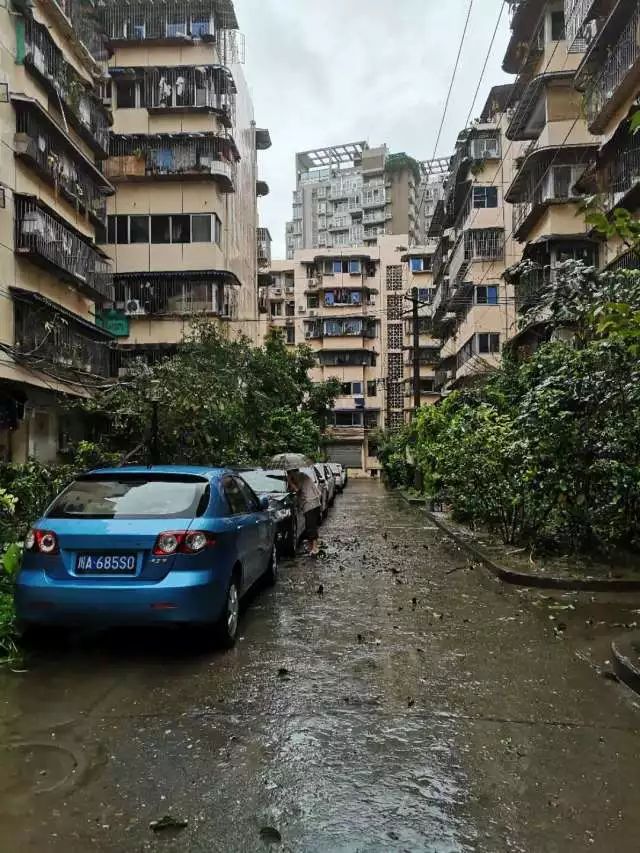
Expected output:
(608, 80)
(182, 227)
(54, 128)
(350, 195)
(351, 307)
(472, 308)
(547, 116)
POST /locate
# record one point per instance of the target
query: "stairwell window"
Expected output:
(488, 343)
(485, 197)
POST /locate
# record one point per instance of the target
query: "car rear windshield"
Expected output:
(266, 481)
(132, 496)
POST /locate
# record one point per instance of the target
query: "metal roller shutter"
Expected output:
(348, 455)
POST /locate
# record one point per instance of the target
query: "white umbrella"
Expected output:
(290, 461)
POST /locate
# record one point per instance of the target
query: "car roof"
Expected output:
(210, 473)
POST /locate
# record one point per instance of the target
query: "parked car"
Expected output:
(135, 545)
(323, 486)
(284, 504)
(331, 483)
(339, 475)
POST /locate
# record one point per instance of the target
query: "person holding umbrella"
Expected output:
(310, 502)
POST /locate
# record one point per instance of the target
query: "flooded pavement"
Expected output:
(390, 697)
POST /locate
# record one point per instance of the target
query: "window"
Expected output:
(160, 229)
(372, 388)
(425, 294)
(126, 94)
(217, 233)
(557, 26)
(488, 342)
(250, 499)
(337, 267)
(426, 386)
(291, 334)
(235, 496)
(485, 197)
(355, 268)
(487, 295)
(201, 26)
(348, 419)
(133, 496)
(201, 228)
(351, 389)
(313, 301)
(276, 309)
(419, 265)
(180, 229)
(118, 229)
(139, 229)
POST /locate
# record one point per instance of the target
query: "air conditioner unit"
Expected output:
(301, 309)
(308, 335)
(134, 308)
(106, 102)
(313, 313)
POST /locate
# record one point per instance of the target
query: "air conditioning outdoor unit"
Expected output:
(134, 308)
(313, 313)
(308, 335)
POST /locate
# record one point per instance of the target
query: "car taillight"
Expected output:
(44, 541)
(182, 542)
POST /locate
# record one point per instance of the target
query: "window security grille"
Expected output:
(394, 277)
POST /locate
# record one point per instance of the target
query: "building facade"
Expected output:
(350, 195)
(548, 117)
(352, 308)
(55, 129)
(472, 310)
(182, 227)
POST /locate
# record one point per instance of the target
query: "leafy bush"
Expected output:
(547, 450)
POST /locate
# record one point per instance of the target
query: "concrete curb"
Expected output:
(529, 580)
(419, 502)
(623, 666)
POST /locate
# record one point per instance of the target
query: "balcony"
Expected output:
(426, 355)
(45, 147)
(83, 109)
(180, 90)
(619, 169)
(578, 14)
(46, 240)
(60, 338)
(609, 72)
(174, 294)
(174, 23)
(542, 181)
(375, 199)
(177, 157)
(530, 284)
(263, 239)
(347, 358)
(333, 327)
(78, 20)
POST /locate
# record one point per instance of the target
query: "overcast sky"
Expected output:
(323, 72)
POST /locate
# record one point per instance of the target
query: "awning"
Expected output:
(226, 276)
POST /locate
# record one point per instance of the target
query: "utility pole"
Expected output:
(416, 350)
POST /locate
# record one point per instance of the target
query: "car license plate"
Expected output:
(106, 564)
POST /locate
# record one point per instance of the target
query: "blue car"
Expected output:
(136, 546)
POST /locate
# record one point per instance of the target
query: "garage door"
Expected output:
(349, 455)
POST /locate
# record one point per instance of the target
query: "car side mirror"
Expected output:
(264, 503)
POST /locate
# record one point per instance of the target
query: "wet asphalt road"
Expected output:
(411, 703)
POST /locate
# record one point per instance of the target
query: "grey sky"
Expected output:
(336, 71)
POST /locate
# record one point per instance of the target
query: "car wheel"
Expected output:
(271, 575)
(291, 542)
(226, 629)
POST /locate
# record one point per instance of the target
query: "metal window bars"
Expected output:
(577, 14)
(44, 238)
(622, 170)
(484, 244)
(55, 339)
(620, 59)
(58, 163)
(186, 88)
(149, 294)
(168, 155)
(263, 239)
(71, 94)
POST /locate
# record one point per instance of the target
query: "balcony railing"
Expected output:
(264, 247)
(40, 144)
(529, 285)
(576, 15)
(201, 156)
(59, 339)
(544, 184)
(80, 22)
(486, 244)
(341, 327)
(610, 75)
(81, 107)
(427, 356)
(45, 239)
